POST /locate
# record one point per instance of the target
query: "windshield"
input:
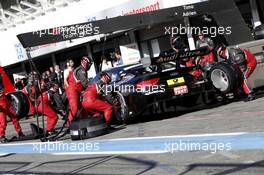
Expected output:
(124, 73)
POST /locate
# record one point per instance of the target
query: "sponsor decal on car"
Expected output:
(180, 90)
(176, 81)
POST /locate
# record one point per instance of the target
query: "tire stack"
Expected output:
(88, 128)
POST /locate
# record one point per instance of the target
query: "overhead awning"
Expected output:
(221, 10)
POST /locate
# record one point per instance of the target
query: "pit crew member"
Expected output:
(246, 63)
(93, 98)
(45, 107)
(6, 109)
(77, 81)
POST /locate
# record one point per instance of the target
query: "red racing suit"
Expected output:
(250, 65)
(77, 81)
(6, 109)
(206, 43)
(196, 73)
(95, 104)
(48, 111)
(202, 62)
(30, 92)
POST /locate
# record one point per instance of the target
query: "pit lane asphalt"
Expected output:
(237, 117)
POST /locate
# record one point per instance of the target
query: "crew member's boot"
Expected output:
(3, 139)
(251, 97)
(21, 135)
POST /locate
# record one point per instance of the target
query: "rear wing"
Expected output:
(221, 10)
(178, 56)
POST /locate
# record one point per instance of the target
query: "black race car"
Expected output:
(158, 87)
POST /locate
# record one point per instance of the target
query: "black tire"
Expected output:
(75, 137)
(19, 103)
(121, 112)
(88, 127)
(96, 120)
(225, 77)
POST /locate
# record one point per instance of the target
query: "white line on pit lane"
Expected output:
(112, 152)
(144, 138)
(182, 136)
(29, 143)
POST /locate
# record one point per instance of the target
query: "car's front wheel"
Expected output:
(120, 108)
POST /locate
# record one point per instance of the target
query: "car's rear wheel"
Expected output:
(224, 77)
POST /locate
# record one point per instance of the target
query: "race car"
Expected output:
(158, 87)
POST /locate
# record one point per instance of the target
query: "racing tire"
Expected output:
(75, 137)
(19, 103)
(90, 127)
(120, 112)
(225, 77)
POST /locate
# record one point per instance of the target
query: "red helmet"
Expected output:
(105, 77)
(86, 62)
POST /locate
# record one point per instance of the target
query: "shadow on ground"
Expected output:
(124, 165)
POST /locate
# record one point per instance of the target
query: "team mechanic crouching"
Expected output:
(93, 100)
(77, 81)
(31, 91)
(44, 106)
(246, 63)
(43, 102)
(6, 109)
